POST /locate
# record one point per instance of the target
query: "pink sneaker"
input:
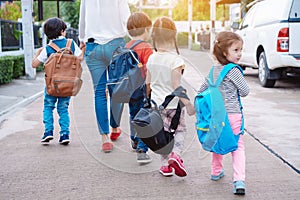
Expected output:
(166, 171)
(176, 163)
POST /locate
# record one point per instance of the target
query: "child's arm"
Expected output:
(79, 51)
(81, 56)
(238, 79)
(35, 61)
(148, 88)
(203, 86)
(176, 77)
(176, 82)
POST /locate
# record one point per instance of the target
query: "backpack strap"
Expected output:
(180, 92)
(54, 46)
(227, 68)
(68, 45)
(222, 74)
(57, 49)
(135, 43)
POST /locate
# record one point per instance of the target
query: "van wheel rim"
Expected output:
(262, 71)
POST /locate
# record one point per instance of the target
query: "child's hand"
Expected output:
(190, 109)
(38, 52)
(189, 106)
(82, 45)
(35, 61)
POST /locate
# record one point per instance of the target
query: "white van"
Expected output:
(271, 34)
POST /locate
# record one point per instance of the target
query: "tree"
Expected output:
(11, 11)
(155, 13)
(49, 9)
(201, 11)
(70, 12)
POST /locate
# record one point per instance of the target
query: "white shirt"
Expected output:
(103, 20)
(160, 66)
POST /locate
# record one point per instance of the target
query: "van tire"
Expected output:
(264, 72)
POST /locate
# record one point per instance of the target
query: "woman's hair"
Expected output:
(164, 31)
(53, 27)
(137, 23)
(222, 43)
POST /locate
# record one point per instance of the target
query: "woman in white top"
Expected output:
(102, 27)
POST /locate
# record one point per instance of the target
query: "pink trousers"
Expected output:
(238, 156)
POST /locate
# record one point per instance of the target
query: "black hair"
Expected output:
(53, 27)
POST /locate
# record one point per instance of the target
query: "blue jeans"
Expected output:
(62, 110)
(97, 58)
(134, 107)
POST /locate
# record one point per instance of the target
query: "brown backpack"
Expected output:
(63, 72)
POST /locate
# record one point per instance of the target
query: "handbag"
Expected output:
(149, 125)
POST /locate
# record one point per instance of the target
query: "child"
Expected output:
(227, 49)
(139, 25)
(165, 68)
(55, 30)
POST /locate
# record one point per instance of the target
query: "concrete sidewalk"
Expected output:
(80, 170)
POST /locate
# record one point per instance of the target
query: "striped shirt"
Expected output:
(233, 83)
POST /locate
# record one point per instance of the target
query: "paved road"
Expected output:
(81, 171)
(273, 117)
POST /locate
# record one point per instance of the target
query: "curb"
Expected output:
(24, 102)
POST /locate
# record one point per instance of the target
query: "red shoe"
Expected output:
(176, 163)
(114, 135)
(107, 147)
(166, 171)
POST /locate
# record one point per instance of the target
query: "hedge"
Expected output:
(18, 67)
(6, 69)
(13, 67)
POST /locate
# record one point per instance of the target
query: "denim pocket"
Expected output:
(113, 45)
(89, 48)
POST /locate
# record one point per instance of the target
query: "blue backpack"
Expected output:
(124, 74)
(213, 127)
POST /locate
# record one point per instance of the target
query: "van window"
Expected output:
(247, 21)
(295, 11)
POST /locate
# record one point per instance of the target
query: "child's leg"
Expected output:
(49, 105)
(165, 169)
(175, 161)
(178, 142)
(134, 107)
(180, 132)
(63, 112)
(164, 160)
(216, 164)
(238, 161)
(238, 156)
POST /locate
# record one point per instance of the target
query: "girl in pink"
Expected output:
(227, 49)
(165, 68)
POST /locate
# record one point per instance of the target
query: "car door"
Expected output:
(294, 29)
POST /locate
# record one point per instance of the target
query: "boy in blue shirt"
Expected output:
(55, 30)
